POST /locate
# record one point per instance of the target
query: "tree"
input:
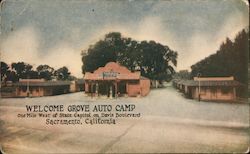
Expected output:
(157, 61)
(102, 52)
(183, 74)
(23, 70)
(12, 76)
(4, 70)
(7, 74)
(154, 60)
(130, 56)
(32, 74)
(231, 59)
(45, 71)
(62, 73)
(98, 55)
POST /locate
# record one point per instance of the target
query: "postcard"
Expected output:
(124, 76)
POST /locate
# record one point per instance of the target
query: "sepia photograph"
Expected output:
(124, 76)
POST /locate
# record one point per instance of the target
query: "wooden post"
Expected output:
(234, 93)
(110, 91)
(91, 89)
(97, 89)
(86, 87)
(115, 89)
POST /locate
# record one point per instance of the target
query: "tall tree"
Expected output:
(7, 74)
(130, 56)
(154, 60)
(45, 71)
(157, 61)
(62, 73)
(24, 70)
(4, 70)
(12, 76)
(103, 51)
(182, 74)
(32, 74)
(231, 59)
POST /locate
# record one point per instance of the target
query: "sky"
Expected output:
(55, 32)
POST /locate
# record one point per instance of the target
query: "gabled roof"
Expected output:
(112, 66)
(112, 71)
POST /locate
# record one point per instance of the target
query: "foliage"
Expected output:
(22, 70)
(153, 59)
(62, 73)
(4, 70)
(230, 60)
(45, 71)
(183, 74)
(12, 76)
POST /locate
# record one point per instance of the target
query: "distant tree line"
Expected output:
(230, 60)
(22, 70)
(154, 60)
(182, 74)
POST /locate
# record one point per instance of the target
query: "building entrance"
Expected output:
(106, 88)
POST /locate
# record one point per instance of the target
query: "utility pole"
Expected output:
(28, 87)
(199, 88)
(0, 72)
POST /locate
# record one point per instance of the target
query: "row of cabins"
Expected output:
(112, 80)
(40, 87)
(209, 88)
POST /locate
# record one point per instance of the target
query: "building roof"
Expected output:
(230, 78)
(44, 83)
(209, 83)
(112, 71)
(80, 81)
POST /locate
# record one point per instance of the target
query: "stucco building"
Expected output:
(115, 80)
(209, 88)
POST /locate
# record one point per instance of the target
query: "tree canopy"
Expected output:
(230, 60)
(62, 73)
(182, 74)
(22, 70)
(45, 72)
(154, 60)
(4, 70)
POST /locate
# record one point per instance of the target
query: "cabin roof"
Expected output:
(44, 83)
(208, 83)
